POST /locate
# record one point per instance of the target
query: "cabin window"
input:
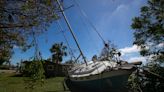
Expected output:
(50, 67)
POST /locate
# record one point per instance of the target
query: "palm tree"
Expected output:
(58, 51)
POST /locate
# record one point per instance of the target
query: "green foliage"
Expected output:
(149, 35)
(20, 19)
(5, 67)
(149, 27)
(149, 30)
(147, 82)
(134, 83)
(8, 41)
(58, 50)
(35, 72)
(33, 68)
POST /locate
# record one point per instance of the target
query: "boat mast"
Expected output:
(70, 29)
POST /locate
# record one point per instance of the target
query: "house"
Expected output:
(53, 69)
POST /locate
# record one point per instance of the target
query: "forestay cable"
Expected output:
(65, 38)
(86, 17)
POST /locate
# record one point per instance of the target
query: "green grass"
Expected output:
(17, 84)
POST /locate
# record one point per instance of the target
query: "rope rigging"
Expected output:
(82, 12)
(71, 31)
(65, 38)
(89, 34)
(84, 15)
(88, 20)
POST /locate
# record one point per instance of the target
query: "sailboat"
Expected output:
(99, 76)
(102, 75)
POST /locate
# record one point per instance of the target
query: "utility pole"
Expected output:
(70, 29)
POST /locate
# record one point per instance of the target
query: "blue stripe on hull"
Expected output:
(110, 84)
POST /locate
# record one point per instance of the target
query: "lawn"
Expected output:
(8, 83)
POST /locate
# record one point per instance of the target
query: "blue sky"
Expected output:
(112, 18)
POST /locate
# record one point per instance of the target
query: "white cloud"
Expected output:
(117, 20)
(131, 54)
(120, 9)
(131, 49)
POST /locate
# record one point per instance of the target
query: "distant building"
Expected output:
(52, 69)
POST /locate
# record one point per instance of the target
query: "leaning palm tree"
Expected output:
(58, 51)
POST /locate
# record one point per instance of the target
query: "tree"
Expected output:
(149, 36)
(21, 19)
(58, 50)
(149, 28)
(9, 40)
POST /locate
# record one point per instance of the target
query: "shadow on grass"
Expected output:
(17, 75)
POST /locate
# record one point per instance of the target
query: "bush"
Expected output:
(35, 72)
(4, 67)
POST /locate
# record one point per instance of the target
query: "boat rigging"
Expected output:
(89, 21)
(72, 33)
(96, 76)
(70, 29)
(64, 35)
